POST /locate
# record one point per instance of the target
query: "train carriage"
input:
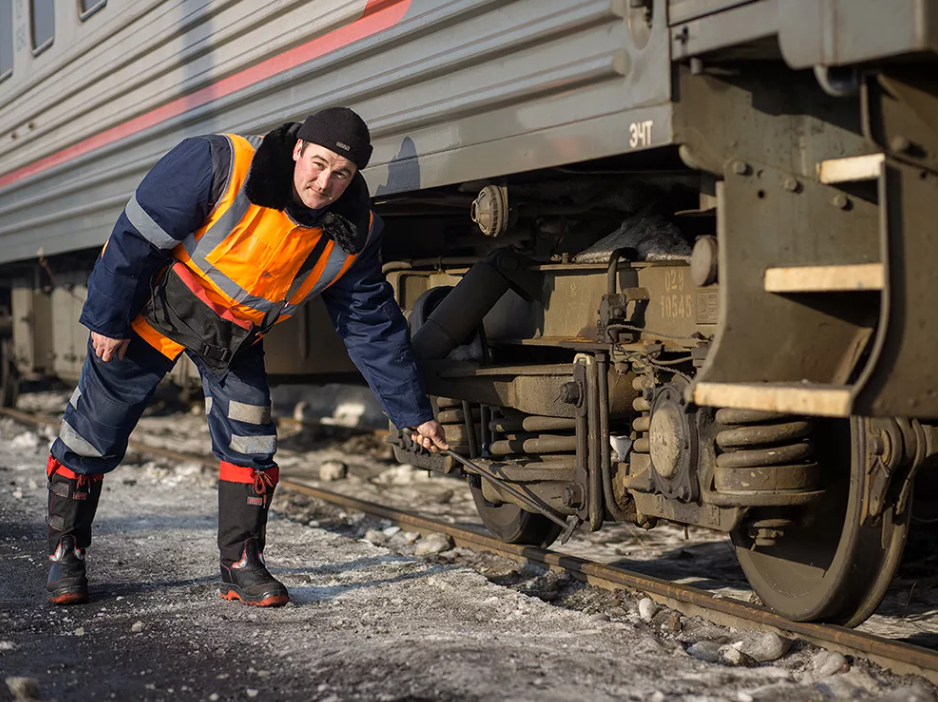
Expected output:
(663, 260)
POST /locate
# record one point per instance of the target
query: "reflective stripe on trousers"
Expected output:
(98, 421)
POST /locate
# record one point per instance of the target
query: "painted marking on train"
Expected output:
(640, 134)
(708, 307)
(675, 303)
(377, 16)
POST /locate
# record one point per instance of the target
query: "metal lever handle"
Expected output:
(568, 527)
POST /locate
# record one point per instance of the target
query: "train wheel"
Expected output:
(9, 375)
(832, 567)
(513, 525)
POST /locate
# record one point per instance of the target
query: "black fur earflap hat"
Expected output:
(341, 130)
(270, 184)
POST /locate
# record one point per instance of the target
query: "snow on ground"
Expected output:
(370, 620)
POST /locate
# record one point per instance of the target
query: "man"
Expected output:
(226, 236)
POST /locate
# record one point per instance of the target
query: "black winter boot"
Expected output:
(244, 497)
(73, 501)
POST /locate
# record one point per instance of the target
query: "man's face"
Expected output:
(320, 176)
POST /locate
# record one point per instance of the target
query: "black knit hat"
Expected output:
(340, 130)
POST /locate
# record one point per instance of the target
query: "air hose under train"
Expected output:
(459, 314)
(527, 501)
(457, 317)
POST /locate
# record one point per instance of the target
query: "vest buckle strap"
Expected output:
(270, 319)
(215, 353)
(186, 316)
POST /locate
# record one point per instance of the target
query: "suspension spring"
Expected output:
(764, 453)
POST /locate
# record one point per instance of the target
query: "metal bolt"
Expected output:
(740, 167)
(618, 312)
(570, 393)
(791, 185)
(841, 201)
(572, 496)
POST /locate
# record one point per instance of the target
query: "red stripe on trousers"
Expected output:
(53, 467)
(231, 473)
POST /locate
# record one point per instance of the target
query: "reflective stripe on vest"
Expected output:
(248, 259)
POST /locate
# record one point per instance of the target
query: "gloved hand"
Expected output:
(430, 435)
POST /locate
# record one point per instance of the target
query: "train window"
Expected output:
(86, 8)
(6, 38)
(42, 23)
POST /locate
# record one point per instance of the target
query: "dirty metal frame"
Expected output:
(867, 169)
(580, 389)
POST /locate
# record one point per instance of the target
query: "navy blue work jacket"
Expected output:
(177, 194)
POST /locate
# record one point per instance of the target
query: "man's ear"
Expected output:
(297, 149)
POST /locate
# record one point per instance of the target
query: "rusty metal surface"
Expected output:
(501, 387)
(565, 310)
(511, 424)
(900, 108)
(542, 444)
(768, 116)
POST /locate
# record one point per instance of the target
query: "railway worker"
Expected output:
(224, 237)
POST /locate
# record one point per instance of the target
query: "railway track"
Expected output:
(898, 657)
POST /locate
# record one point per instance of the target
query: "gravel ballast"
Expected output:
(369, 619)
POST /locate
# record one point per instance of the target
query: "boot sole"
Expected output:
(69, 598)
(270, 601)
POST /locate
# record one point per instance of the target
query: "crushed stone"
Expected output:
(368, 621)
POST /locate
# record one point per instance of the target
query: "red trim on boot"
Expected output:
(271, 601)
(70, 598)
(247, 475)
(53, 466)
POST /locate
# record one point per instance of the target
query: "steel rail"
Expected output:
(899, 657)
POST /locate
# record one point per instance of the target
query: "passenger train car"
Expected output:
(663, 260)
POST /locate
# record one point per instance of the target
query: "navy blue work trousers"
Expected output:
(110, 397)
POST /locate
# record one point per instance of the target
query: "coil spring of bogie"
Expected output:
(764, 452)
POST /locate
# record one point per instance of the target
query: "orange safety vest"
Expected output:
(245, 269)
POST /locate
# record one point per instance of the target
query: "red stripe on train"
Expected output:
(377, 16)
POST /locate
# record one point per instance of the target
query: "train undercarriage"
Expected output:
(597, 424)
